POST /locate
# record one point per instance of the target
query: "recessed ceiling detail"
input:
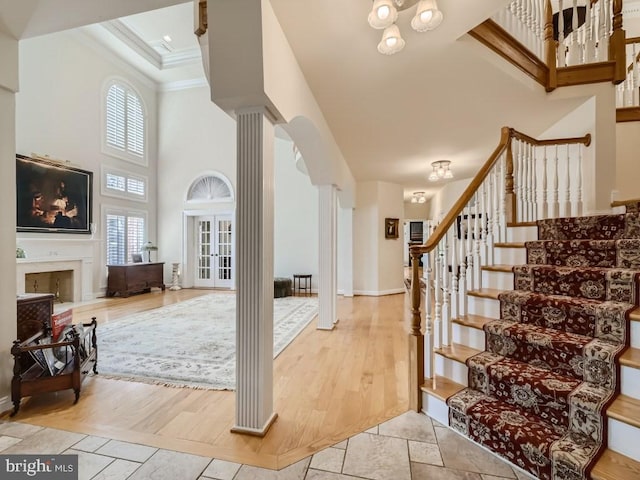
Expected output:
(158, 53)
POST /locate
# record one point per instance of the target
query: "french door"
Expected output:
(214, 259)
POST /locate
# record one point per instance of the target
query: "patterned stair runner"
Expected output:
(538, 393)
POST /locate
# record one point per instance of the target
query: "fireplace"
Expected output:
(62, 276)
(59, 282)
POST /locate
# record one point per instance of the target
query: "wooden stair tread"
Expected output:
(635, 315)
(444, 388)
(614, 466)
(522, 224)
(509, 245)
(631, 358)
(626, 409)
(486, 293)
(474, 321)
(457, 352)
(498, 268)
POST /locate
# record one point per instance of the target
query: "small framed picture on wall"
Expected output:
(391, 228)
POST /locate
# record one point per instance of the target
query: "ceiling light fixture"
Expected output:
(440, 170)
(418, 197)
(385, 13)
(167, 38)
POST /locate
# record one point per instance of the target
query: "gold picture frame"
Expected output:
(391, 227)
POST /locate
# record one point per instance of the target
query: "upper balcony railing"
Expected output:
(560, 43)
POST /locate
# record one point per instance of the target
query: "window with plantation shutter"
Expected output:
(123, 184)
(125, 234)
(125, 128)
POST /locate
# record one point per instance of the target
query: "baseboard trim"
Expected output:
(379, 293)
(256, 432)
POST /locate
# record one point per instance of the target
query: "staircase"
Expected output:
(544, 365)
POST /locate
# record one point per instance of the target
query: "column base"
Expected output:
(328, 329)
(256, 432)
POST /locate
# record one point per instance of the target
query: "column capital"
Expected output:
(264, 110)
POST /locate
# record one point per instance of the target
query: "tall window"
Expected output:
(125, 123)
(125, 235)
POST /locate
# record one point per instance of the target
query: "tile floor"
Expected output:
(408, 447)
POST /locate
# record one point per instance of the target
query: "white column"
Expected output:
(8, 87)
(254, 273)
(328, 262)
(345, 251)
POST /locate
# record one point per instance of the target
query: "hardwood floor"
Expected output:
(327, 386)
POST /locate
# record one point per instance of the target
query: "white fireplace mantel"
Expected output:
(81, 267)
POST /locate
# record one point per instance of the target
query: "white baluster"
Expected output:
(567, 203)
(589, 42)
(471, 278)
(497, 199)
(490, 216)
(462, 284)
(518, 168)
(555, 203)
(437, 325)
(534, 199)
(484, 223)
(579, 188)
(455, 273)
(562, 62)
(574, 49)
(545, 199)
(503, 201)
(429, 364)
(605, 31)
(476, 241)
(446, 290)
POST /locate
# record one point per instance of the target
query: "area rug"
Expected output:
(191, 343)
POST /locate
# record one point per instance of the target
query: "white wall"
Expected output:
(378, 263)
(296, 234)
(59, 113)
(196, 137)
(627, 148)
(597, 116)
(444, 198)
(417, 211)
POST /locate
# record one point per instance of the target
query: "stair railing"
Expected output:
(523, 180)
(627, 92)
(594, 39)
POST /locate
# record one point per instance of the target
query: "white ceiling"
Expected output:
(443, 97)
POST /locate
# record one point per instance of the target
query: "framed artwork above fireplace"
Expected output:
(52, 197)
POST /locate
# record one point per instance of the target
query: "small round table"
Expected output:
(302, 282)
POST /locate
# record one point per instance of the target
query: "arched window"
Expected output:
(124, 134)
(210, 188)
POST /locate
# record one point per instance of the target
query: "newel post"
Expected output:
(617, 46)
(550, 48)
(416, 339)
(509, 194)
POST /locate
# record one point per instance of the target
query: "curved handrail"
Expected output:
(448, 220)
(506, 135)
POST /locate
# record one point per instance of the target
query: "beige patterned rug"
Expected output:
(192, 343)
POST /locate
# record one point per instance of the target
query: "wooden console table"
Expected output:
(134, 278)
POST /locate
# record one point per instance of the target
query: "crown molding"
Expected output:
(132, 40)
(183, 85)
(84, 37)
(160, 61)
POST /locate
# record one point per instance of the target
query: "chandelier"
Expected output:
(418, 197)
(440, 170)
(385, 13)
